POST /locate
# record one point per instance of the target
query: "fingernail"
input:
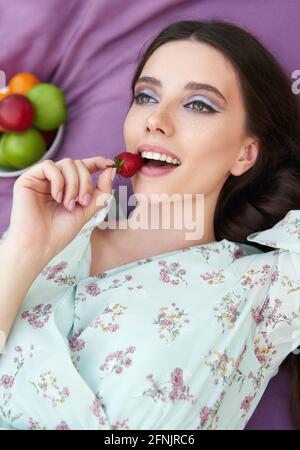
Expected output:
(86, 199)
(59, 197)
(113, 173)
(110, 161)
(72, 204)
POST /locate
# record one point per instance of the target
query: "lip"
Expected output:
(157, 171)
(156, 148)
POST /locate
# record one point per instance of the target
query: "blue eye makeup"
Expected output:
(204, 102)
(142, 94)
(205, 105)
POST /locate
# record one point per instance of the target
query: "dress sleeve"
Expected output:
(277, 318)
(71, 264)
(33, 377)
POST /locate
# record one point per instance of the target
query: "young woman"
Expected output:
(142, 328)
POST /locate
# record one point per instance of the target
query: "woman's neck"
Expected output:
(150, 231)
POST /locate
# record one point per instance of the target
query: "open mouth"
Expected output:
(158, 163)
(154, 167)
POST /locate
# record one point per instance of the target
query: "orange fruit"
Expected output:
(22, 82)
(3, 95)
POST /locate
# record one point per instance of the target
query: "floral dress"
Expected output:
(184, 340)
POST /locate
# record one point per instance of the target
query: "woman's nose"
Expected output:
(158, 121)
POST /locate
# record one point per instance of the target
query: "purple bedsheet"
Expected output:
(89, 49)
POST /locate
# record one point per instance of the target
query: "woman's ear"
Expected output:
(247, 157)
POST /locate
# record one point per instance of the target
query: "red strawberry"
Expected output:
(127, 164)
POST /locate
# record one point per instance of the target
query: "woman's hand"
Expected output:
(44, 216)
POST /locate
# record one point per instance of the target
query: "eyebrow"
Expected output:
(191, 86)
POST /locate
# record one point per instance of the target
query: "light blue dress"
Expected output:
(183, 340)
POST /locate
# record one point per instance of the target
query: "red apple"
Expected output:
(16, 113)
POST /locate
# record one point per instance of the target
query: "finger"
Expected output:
(71, 176)
(44, 171)
(104, 181)
(103, 190)
(96, 163)
(85, 183)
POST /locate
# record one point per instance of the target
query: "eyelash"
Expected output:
(208, 107)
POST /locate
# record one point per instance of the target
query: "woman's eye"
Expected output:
(201, 106)
(139, 97)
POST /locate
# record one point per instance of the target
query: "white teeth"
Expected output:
(160, 156)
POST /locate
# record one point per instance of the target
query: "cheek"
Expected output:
(212, 153)
(131, 127)
(219, 141)
(126, 129)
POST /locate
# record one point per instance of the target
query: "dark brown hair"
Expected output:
(262, 196)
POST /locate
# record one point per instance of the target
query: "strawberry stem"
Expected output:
(118, 164)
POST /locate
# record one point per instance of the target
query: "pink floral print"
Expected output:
(107, 320)
(225, 368)
(228, 310)
(270, 313)
(209, 418)
(206, 251)
(7, 381)
(291, 225)
(246, 403)
(115, 362)
(7, 384)
(98, 411)
(35, 425)
(47, 385)
(38, 316)
(171, 273)
(93, 290)
(256, 277)
(62, 426)
(120, 425)
(170, 320)
(292, 284)
(223, 247)
(264, 351)
(215, 277)
(76, 345)
(58, 275)
(173, 389)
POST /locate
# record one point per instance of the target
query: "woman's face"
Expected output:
(204, 128)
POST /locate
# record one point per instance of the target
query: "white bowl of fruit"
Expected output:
(32, 117)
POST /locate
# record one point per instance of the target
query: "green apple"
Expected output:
(22, 149)
(49, 104)
(3, 160)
